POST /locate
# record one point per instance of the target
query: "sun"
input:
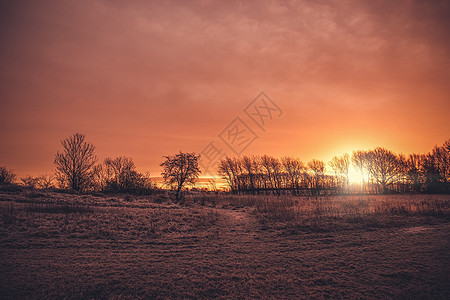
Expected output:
(355, 176)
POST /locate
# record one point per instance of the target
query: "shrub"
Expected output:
(6, 175)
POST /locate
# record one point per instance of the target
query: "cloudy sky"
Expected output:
(147, 79)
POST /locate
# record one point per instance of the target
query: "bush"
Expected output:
(6, 176)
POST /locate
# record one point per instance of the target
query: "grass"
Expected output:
(59, 245)
(351, 212)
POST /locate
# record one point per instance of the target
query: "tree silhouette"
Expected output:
(121, 172)
(415, 171)
(74, 164)
(340, 166)
(179, 170)
(272, 167)
(229, 169)
(30, 181)
(384, 166)
(294, 169)
(250, 167)
(6, 175)
(359, 160)
(46, 181)
(318, 168)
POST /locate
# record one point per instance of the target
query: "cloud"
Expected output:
(184, 69)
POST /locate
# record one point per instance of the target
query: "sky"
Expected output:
(150, 78)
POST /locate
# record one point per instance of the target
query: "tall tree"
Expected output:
(359, 160)
(295, 169)
(340, 166)
(229, 169)
(250, 167)
(74, 164)
(180, 170)
(414, 170)
(272, 167)
(318, 168)
(384, 166)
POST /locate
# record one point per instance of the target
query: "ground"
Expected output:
(110, 249)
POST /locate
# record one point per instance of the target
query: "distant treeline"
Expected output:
(382, 171)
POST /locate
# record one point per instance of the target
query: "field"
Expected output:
(67, 245)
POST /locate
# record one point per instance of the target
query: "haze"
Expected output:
(147, 79)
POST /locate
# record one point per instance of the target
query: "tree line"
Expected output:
(382, 171)
(77, 168)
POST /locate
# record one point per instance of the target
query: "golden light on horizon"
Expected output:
(355, 176)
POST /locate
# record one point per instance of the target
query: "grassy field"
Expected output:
(63, 245)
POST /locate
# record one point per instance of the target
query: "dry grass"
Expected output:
(37, 213)
(59, 245)
(351, 212)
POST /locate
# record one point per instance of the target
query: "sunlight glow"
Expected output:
(355, 176)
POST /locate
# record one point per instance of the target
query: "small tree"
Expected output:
(74, 164)
(179, 170)
(46, 181)
(6, 176)
(121, 172)
(30, 181)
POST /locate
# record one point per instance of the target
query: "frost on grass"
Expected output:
(61, 245)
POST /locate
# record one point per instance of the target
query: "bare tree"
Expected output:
(384, 166)
(340, 166)
(179, 170)
(250, 167)
(295, 169)
(30, 181)
(6, 175)
(414, 170)
(272, 168)
(46, 181)
(437, 169)
(74, 164)
(359, 160)
(318, 168)
(121, 172)
(229, 169)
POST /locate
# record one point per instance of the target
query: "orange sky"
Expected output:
(149, 79)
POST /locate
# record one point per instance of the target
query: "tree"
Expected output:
(229, 169)
(359, 160)
(272, 167)
(121, 172)
(46, 181)
(340, 166)
(74, 165)
(318, 169)
(179, 170)
(384, 166)
(250, 167)
(6, 175)
(295, 169)
(119, 175)
(30, 181)
(437, 169)
(414, 170)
